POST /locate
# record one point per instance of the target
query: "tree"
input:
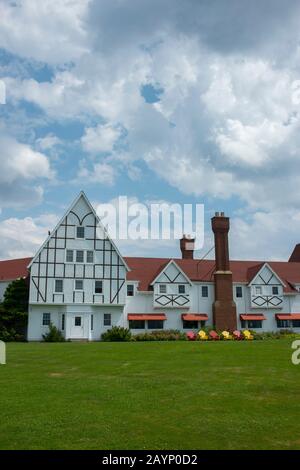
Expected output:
(16, 296)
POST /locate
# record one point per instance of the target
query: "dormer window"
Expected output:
(79, 232)
(162, 288)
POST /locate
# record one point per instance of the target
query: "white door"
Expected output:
(77, 330)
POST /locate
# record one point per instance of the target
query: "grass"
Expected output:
(164, 395)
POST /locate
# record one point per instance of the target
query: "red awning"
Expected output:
(194, 317)
(252, 317)
(148, 316)
(287, 316)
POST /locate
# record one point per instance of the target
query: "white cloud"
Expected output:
(48, 141)
(19, 161)
(23, 237)
(227, 121)
(22, 171)
(265, 235)
(51, 31)
(100, 173)
(100, 138)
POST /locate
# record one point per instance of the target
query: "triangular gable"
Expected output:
(171, 278)
(80, 221)
(266, 276)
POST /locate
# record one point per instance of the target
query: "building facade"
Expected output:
(80, 282)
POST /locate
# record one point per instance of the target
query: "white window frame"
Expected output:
(46, 313)
(164, 286)
(110, 317)
(55, 291)
(98, 293)
(184, 288)
(79, 238)
(78, 290)
(86, 256)
(207, 291)
(79, 262)
(69, 262)
(133, 292)
(258, 288)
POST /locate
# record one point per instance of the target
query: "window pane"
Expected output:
(254, 323)
(98, 287)
(204, 291)
(137, 324)
(155, 324)
(162, 289)
(80, 232)
(190, 325)
(239, 291)
(283, 323)
(46, 319)
(89, 256)
(130, 290)
(70, 256)
(92, 322)
(63, 321)
(77, 321)
(58, 285)
(107, 319)
(275, 290)
(296, 323)
(78, 284)
(181, 289)
(258, 290)
(79, 256)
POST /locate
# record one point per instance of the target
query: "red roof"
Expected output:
(14, 269)
(145, 270)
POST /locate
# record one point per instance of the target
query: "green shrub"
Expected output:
(13, 324)
(117, 333)
(10, 334)
(161, 335)
(54, 335)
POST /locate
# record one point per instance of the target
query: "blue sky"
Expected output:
(186, 102)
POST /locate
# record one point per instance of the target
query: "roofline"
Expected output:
(81, 194)
(272, 271)
(172, 261)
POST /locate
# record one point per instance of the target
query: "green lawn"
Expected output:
(176, 395)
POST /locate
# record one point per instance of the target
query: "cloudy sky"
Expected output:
(191, 101)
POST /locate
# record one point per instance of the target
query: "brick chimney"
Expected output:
(187, 245)
(224, 308)
(295, 256)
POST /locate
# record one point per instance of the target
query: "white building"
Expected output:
(80, 282)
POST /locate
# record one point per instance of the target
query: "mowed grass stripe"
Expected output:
(158, 395)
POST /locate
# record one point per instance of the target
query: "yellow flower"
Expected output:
(247, 335)
(202, 335)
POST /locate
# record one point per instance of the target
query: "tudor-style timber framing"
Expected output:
(50, 262)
